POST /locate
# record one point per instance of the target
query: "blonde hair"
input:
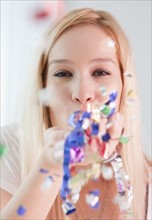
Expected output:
(36, 117)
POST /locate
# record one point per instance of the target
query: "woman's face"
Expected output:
(82, 61)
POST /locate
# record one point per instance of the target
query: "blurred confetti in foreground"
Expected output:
(48, 9)
(3, 150)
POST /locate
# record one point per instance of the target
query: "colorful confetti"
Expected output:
(103, 90)
(92, 198)
(21, 210)
(107, 172)
(111, 43)
(85, 143)
(3, 150)
(48, 182)
(123, 140)
(68, 208)
(43, 170)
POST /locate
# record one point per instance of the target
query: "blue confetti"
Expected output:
(95, 128)
(21, 211)
(106, 137)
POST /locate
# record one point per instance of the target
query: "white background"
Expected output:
(20, 35)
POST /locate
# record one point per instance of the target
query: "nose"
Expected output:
(83, 91)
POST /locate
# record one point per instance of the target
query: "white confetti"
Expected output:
(107, 172)
(47, 183)
(44, 96)
(109, 124)
(127, 74)
(92, 199)
(86, 123)
(122, 202)
(112, 105)
(111, 43)
(103, 90)
(75, 197)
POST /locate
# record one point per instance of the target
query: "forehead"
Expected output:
(84, 41)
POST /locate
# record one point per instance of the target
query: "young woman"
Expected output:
(84, 50)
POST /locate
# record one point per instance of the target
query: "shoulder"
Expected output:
(10, 161)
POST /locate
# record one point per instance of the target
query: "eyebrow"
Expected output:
(60, 61)
(108, 60)
(99, 60)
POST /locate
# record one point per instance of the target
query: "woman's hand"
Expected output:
(114, 127)
(115, 131)
(52, 155)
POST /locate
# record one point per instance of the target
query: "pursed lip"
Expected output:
(87, 106)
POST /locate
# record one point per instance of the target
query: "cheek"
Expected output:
(58, 98)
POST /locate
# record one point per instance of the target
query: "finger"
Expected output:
(58, 151)
(115, 132)
(51, 161)
(102, 127)
(54, 134)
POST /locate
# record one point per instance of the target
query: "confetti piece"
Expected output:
(75, 197)
(106, 110)
(44, 96)
(107, 172)
(3, 150)
(21, 211)
(112, 105)
(113, 96)
(111, 44)
(131, 93)
(103, 90)
(84, 139)
(95, 128)
(106, 137)
(109, 124)
(127, 74)
(122, 202)
(41, 170)
(123, 140)
(76, 154)
(48, 182)
(86, 124)
(68, 207)
(92, 198)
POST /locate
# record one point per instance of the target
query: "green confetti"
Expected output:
(123, 140)
(106, 110)
(3, 150)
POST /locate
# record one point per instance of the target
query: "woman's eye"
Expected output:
(63, 74)
(101, 73)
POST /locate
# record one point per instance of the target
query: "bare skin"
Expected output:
(89, 64)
